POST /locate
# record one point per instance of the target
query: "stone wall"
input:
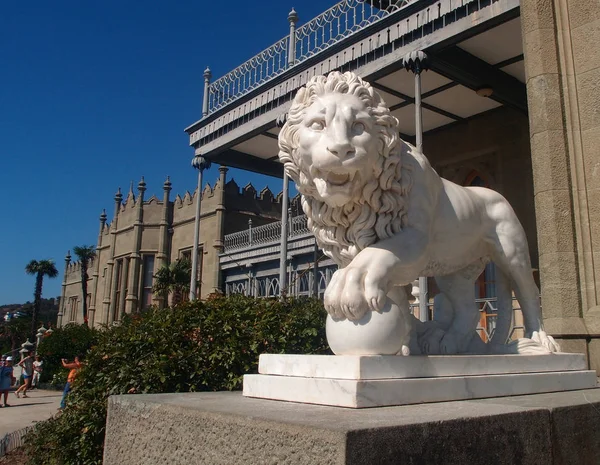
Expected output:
(562, 64)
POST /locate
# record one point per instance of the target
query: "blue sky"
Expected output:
(96, 94)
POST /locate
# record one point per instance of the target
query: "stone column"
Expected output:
(562, 64)
(162, 256)
(63, 305)
(200, 163)
(417, 62)
(108, 303)
(96, 271)
(220, 236)
(283, 281)
(122, 296)
(205, 96)
(135, 263)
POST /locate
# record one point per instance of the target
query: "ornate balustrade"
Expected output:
(249, 75)
(330, 27)
(339, 22)
(264, 234)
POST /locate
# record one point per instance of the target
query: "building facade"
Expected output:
(148, 233)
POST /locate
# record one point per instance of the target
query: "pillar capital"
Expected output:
(416, 61)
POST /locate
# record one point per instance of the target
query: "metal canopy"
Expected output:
(490, 59)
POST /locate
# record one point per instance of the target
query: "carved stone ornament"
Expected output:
(380, 211)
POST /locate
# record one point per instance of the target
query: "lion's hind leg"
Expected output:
(511, 255)
(459, 289)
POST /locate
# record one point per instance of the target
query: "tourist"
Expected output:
(27, 365)
(37, 371)
(6, 379)
(74, 367)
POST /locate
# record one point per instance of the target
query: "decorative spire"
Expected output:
(118, 195)
(103, 216)
(142, 185)
(68, 257)
(207, 74)
(293, 16)
(130, 187)
(167, 184)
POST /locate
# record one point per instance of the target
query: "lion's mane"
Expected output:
(380, 212)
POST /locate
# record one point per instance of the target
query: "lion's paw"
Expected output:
(449, 345)
(546, 341)
(353, 291)
(429, 341)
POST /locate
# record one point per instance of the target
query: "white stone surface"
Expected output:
(388, 392)
(383, 214)
(422, 366)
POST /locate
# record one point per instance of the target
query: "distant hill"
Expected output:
(48, 310)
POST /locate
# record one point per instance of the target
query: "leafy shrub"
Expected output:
(198, 346)
(65, 342)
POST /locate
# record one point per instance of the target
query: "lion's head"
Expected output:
(340, 145)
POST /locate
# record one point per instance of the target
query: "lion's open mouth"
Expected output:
(338, 179)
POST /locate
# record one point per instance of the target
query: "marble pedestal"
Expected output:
(380, 380)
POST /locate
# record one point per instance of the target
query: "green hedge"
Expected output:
(65, 342)
(200, 346)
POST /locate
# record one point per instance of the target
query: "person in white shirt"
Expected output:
(37, 371)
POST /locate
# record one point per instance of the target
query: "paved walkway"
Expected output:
(40, 405)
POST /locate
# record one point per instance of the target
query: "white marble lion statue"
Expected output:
(382, 213)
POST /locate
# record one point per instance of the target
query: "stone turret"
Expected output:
(131, 301)
(63, 304)
(108, 303)
(163, 246)
(96, 271)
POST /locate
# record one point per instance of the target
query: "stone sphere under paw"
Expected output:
(377, 333)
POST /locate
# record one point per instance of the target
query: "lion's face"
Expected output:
(338, 147)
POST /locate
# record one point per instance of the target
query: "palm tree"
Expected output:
(85, 254)
(39, 269)
(173, 278)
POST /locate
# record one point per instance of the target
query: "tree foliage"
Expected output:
(196, 346)
(65, 342)
(39, 269)
(85, 254)
(173, 279)
(13, 333)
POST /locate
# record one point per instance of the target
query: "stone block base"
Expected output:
(378, 381)
(226, 428)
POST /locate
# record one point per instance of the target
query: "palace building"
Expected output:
(145, 234)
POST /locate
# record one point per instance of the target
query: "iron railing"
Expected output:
(268, 286)
(298, 225)
(13, 440)
(488, 308)
(249, 75)
(330, 27)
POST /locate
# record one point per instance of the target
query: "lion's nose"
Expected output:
(341, 150)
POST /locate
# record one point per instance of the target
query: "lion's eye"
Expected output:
(358, 128)
(317, 125)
